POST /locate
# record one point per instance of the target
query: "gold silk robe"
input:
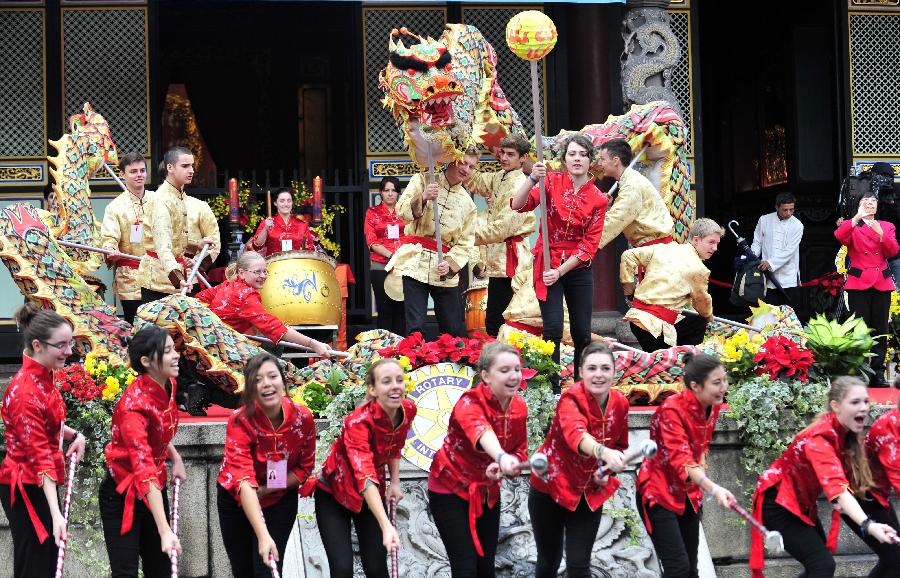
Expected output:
(674, 278)
(166, 234)
(458, 214)
(202, 223)
(499, 222)
(638, 212)
(115, 233)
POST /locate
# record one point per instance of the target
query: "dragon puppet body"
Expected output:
(53, 277)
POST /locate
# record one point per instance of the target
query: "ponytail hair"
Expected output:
(242, 263)
(860, 475)
(37, 323)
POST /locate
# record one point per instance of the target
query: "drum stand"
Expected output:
(305, 329)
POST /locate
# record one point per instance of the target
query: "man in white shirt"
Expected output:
(777, 242)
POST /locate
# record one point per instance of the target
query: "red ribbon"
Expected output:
(16, 482)
(127, 486)
(512, 256)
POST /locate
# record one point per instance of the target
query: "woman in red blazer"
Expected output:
(591, 423)
(870, 243)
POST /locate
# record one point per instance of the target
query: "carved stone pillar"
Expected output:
(651, 53)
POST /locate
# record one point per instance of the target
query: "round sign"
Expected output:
(437, 389)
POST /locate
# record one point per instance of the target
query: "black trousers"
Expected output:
(874, 307)
(774, 297)
(148, 295)
(804, 542)
(888, 554)
(551, 523)
(690, 332)
(447, 307)
(129, 309)
(675, 538)
(142, 541)
(499, 294)
(451, 516)
(240, 539)
(578, 288)
(31, 559)
(334, 527)
(391, 315)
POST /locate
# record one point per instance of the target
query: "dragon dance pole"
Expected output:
(61, 557)
(290, 345)
(723, 320)
(633, 162)
(195, 269)
(115, 176)
(531, 35)
(94, 249)
(434, 204)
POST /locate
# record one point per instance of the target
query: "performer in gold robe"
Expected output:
(501, 234)
(637, 209)
(202, 225)
(674, 277)
(122, 232)
(416, 259)
(162, 270)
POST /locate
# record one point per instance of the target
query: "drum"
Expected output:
(302, 289)
(476, 306)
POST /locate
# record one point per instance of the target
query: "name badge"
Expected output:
(276, 474)
(393, 231)
(137, 233)
(287, 245)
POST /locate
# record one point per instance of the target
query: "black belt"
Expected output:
(857, 272)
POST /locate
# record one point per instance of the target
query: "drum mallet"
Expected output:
(173, 554)
(723, 320)
(290, 345)
(773, 539)
(197, 260)
(61, 557)
(538, 464)
(395, 566)
(647, 450)
(622, 346)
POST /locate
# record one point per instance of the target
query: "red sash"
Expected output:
(427, 242)
(128, 263)
(539, 288)
(641, 270)
(531, 329)
(658, 311)
(512, 256)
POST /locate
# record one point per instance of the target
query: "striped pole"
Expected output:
(61, 557)
(395, 566)
(273, 566)
(173, 554)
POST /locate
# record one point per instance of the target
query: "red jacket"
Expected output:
(460, 467)
(295, 230)
(574, 223)
(570, 473)
(33, 413)
(378, 218)
(682, 432)
(143, 423)
(883, 450)
(240, 306)
(868, 255)
(251, 442)
(366, 444)
(813, 464)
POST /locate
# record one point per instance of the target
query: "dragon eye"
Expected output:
(448, 68)
(412, 71)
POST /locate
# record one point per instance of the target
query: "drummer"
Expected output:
(237, 302)
(285, 231)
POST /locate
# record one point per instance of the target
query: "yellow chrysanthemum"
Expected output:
(112, 382)
(405, 363)
(296, 398)
(130, 378)
(410, 384)
(102, 367)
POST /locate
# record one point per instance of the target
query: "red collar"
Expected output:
(381, 417)
(42, 373)
(287, 406)
(694, 407)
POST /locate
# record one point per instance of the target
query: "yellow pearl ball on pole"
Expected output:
(531, 35)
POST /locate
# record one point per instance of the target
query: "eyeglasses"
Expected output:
(62, 345)
(260, 273)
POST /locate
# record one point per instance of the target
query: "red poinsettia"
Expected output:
(782, 356)
(76, 381)
(444, 348)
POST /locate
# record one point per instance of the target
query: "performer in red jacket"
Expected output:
(591, 424)
(351, 486)
(828, 457)
(34, 417)
(133, 503)
(384, 229)
(870, 243)
(575, 212)
(670, 485)
(486, 436)
(270, 451)
(237, 302)
(883, 453)
(285, 231)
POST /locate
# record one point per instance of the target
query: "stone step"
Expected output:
(848, 566)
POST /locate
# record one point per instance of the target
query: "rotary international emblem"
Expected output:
(437, 389)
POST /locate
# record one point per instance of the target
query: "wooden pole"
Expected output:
(539, 148)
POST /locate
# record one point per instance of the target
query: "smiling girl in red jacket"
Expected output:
(351, 484)
(670, 485)
(133, 504)
(486, 436)
(828, 457)
(591, 423)
(34, 416)
(270, 451)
